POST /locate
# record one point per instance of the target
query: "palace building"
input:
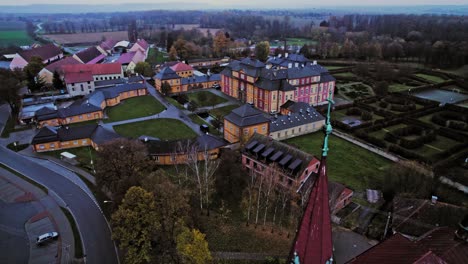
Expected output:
(268, 86)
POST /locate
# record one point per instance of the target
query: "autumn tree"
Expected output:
(193, 247)
(173, 54)
(133, 225)
(57, 81)
(9, 87)
(31, 71)
(262, 50)
(165, 88)
(144, 69)
(220, 43)
(120, 164)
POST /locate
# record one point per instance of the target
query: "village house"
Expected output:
(48, 53)
(181, 78)
(64, 137)
(180, 151)
(107, 46)
(441, 245)
(270, 158)
(91, 106)
(140, 45)
(91, 55)
(268, 87)
(130, 59)
(207, 63)
(47, 73)
(80, 78)
(243, 122)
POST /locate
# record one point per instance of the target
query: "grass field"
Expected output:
(333, 67)
(14, 37)
(174, 102)
(398, 87)
(431, 78)
(83, 154)
(349, 164)
(155, 57)
(222, 111)
(205, 98)
(164, 129)
(199, 121)
(344, 74)
(134, 108)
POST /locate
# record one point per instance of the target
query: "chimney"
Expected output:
(314, 62)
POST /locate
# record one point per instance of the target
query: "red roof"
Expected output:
(58, 64)
(95, 69)
(313, 242)
(45, 52)
(181, 67)
(77, 77)
(441, 241)
(143, 44)
(108, 44)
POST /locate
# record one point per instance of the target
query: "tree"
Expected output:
(31, 71)
(144, 69)
(9, 87)
(57, 81)
(132, 31)
(262, 50)
(230, 188)
(381, 88)
(133, 225)
(220, 43)
(173, 54)
(120, 164)
(165, 88)
(193, 247)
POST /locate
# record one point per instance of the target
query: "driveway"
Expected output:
(93, 227)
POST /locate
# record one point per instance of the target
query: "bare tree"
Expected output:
(270, 184)
(250, 192)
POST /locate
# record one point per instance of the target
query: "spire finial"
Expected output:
(328, 126)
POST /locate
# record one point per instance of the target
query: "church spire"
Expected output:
(313, 241)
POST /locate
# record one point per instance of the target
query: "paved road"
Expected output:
(95, 232)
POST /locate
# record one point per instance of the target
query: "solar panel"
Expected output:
(276, 156)
(251, 145)
(267, 152)
(295, 164)
(259, 148)
(285, 160)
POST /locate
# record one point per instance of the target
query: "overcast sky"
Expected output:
(254, 3)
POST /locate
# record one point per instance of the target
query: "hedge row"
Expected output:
(408, 154)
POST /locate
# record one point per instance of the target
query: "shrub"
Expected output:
(408, 154)
(457, 125)
(402, 108)
(383, 104)
(353, 111)
(377, 141)
(366, 116)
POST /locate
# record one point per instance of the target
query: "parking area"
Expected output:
(35, 227)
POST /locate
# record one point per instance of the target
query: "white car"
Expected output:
(46, 237)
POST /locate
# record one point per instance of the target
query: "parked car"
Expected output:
(46, 237)
(204, 128)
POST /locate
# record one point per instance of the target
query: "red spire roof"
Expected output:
(313, 243)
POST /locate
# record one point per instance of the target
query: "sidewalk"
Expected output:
(47, 217)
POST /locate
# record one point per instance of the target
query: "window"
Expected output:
(73, 89)
(264, 128)
(173, 158)
(81, 116)
(156, 158)
(75, 142)
(52, 145)
(247, 161)
(84, 141)
(293, 131)
(255, 130)
(299, 130)
(73, 84)
(279, 134)
(41, 147)
(82, 89)
(89, 82)
(246, 131)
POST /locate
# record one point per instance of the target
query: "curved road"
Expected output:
(95, 233)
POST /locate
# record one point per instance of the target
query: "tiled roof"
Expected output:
(56, 66)
(108, 44)
(74, 110)
(138, 57)
(46, 113)
(274, 85)
(88, 54)
(107, 83)
(252, 62)
(95, 132)
(286, 151)
(200, 79)
(78, 77)
(441, 241)
(181, 67)
(97, 59)
(307, 116)
(246, 115)
(96, 69)
(45, 52)
(142, 43)
(296, 106)
(326, 78)
(126, 58)
(166, 74)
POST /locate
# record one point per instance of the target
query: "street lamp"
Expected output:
(14, 144)
(108, 201)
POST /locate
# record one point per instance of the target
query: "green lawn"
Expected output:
(164, 129)
(332, 67)
(398, 87)
(344, 74)
(14, 37)
(198, 120)
(174, 102)
(83, 154)
(205, 98)
(222, 111)
(349, 164)
(134, 108)
(431, 78)
(155, 57)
